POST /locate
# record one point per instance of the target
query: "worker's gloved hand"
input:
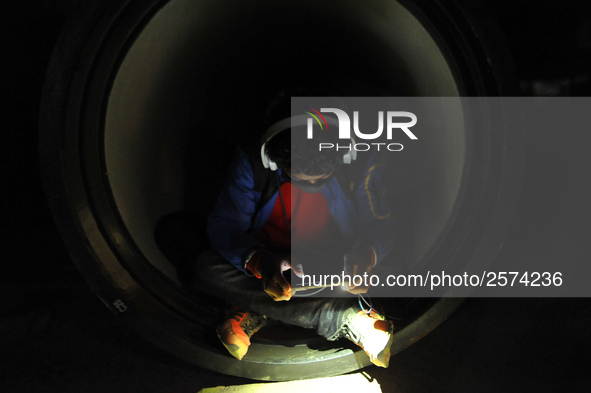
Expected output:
(270, 268)
(358, 262)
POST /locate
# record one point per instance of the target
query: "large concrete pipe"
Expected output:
(143, 97)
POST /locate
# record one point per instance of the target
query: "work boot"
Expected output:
(236, 331)
(372, 333)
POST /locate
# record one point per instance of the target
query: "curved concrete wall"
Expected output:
(198, 75)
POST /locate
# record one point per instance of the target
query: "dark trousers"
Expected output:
(182, 239)
(214, 275)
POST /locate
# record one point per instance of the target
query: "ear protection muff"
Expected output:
(295, 121)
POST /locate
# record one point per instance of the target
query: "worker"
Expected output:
(281, 194)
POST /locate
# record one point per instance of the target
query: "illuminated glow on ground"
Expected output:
(358, 382)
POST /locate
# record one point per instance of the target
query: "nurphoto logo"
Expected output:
(396, 121)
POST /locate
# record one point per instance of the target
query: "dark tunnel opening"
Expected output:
(140, 128)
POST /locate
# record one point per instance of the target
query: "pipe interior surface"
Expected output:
(197, 75)
(145, 102)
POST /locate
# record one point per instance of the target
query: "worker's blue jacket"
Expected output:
(246, 200)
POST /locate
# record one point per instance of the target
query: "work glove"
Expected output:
(270, 268)
(358, 262)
